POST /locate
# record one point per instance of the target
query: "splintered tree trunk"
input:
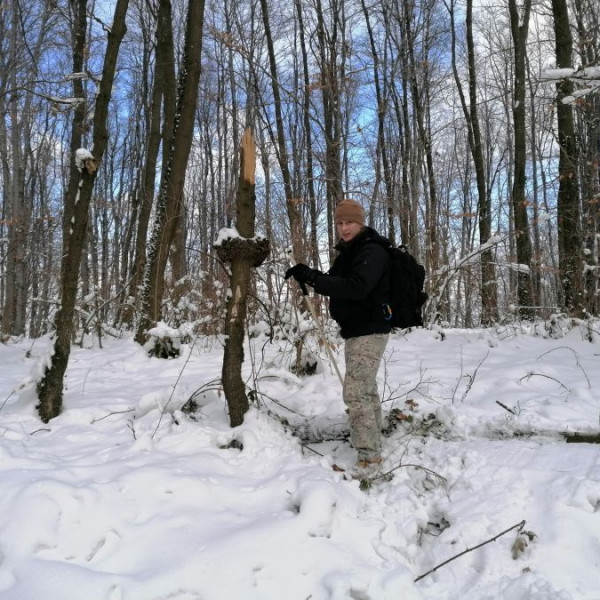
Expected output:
(242, 253)
(77, 202)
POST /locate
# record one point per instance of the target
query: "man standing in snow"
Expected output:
(359, 294)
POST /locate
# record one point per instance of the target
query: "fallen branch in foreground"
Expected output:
(518, 526)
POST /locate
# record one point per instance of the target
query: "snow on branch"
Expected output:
(84, 158)
(74, 102)
(589, 77)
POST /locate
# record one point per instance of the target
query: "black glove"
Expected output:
(303, 274)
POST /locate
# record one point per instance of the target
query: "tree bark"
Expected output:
(420, 98)
(489, 300)
(19, 201)
(330, 92)
(382, 159)
(77, 201)
(163, 96)
(292, 204)
(169, 205)
(569, 226)
(242, 254)
(519, 24)
(313, 250)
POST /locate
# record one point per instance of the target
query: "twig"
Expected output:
(317, 321)
(117, 412)
(279, 403)
(529, 375)
(576, 361)
(309, 448)
(510, 410)
(38, 430)
(518, 526)
(6, 400)
(473, 377)
(460, 377)
(187, 360)
(91, 315)
(131, 426)
(400, 466)
(441, 278)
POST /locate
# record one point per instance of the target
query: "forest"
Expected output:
(470, 132)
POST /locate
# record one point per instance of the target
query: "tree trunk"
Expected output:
(77, 200)
(19, 201)
(313, 250)
(420, 98)
(330, 91)
(569, 227)
(382, 159)
(170, 200)
(242, 253)
(163, 95)
(519, 24)
(489, 300)
(292, 204)
(587, 16)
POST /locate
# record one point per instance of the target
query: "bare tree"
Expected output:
(308, 138)
(382, 161)
(587, 19)
(519, 25)
(292, 203)
(78, 196)
(162, 101)
(169, 205)
(569, 226)
(17, 79)
(489, 299)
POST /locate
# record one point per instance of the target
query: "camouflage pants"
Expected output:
(363, 356)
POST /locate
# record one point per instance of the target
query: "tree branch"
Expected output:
(518, 526)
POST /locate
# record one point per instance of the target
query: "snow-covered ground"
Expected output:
(124, 497)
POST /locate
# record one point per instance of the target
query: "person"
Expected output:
(359, 292)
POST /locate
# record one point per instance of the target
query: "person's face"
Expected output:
(347, 230)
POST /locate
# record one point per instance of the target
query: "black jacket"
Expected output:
(358, 285)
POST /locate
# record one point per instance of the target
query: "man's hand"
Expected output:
(303, 274)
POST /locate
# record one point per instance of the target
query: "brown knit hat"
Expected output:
(350, 210)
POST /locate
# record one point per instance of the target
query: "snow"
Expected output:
(230, 233)
(72, 101)
(543, 217)
(563, 73)
(125, 497)
(518, 267)
(73, 76)
(81, 155)
(226, 233)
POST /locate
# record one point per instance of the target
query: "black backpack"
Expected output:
(407, 278)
